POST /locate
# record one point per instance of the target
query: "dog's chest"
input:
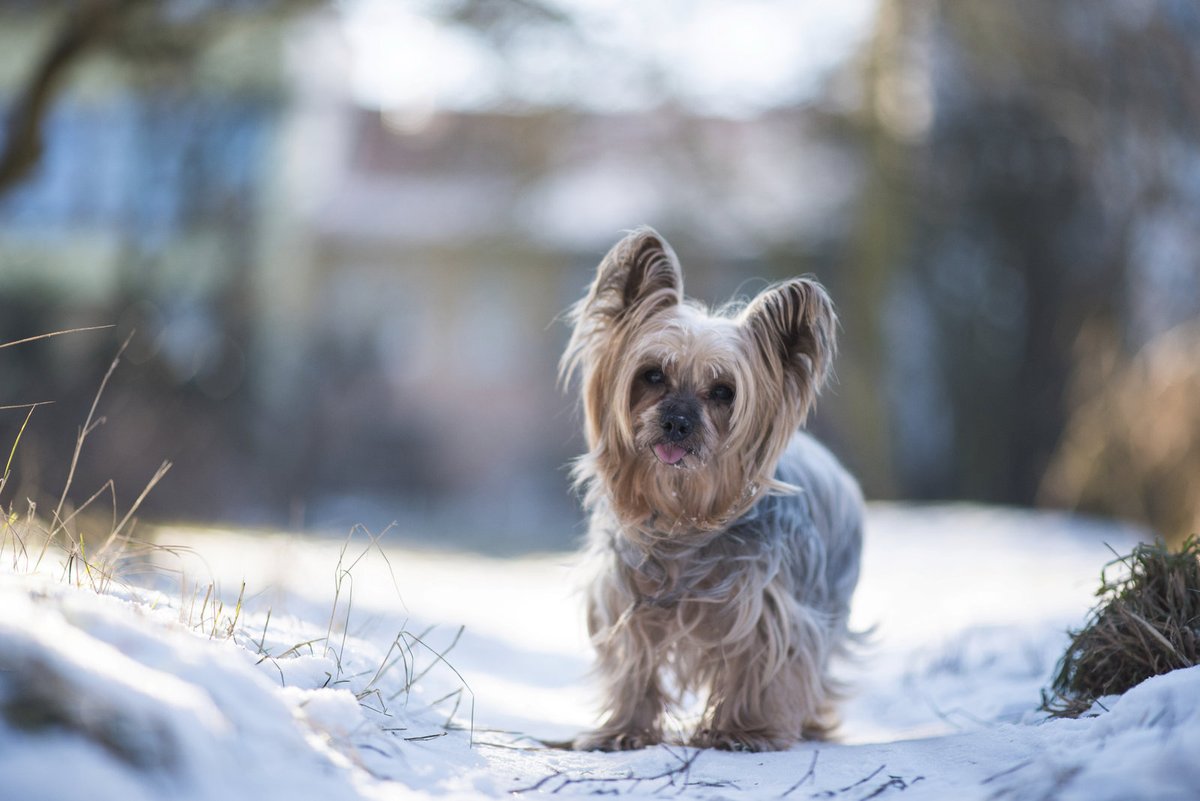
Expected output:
(711, 576)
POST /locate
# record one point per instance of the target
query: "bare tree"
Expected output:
(139, 31)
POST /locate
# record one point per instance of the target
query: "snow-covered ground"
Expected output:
(348, 659)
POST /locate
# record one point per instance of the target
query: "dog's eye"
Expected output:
(653, 376)
(722, 393)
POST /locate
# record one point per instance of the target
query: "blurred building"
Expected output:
(413, 303)
(344, 317)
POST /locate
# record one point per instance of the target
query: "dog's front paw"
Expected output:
(740, 740)
(616, 740)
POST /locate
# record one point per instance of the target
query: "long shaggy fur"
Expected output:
(726, 571)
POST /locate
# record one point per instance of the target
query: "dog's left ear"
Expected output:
(794, 328)
(641, 273)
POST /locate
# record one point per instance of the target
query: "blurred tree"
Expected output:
(157, 34)
(149, 33)
(1132, 444)
(1048, 149)
(881, 231)
(150, 126)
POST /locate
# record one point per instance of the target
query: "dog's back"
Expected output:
(821, 526)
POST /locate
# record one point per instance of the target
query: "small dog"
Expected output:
(726, 542)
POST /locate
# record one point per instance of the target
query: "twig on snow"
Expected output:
(671, 774)
(1022, 764)
(849, 787)
(811, 774)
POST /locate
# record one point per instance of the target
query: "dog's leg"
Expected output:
(758, 703)
(629, 665)
(745, 715)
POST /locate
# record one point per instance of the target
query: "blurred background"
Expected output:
(341, 234)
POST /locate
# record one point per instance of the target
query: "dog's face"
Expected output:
(687, 411)
(684, 372)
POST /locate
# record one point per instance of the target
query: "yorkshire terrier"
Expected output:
(725, 541)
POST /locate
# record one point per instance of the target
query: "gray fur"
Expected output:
(751, 614)
(724, 568)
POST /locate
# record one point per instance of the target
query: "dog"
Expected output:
(725, 542)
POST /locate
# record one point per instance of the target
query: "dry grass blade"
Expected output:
(27, 340)
(440, 657)
(34, 405)
(16, 441)
(1147, 623)
(88, 426)
(154, 479)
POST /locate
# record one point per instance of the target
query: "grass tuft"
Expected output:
(28, 537)
(1146, 624)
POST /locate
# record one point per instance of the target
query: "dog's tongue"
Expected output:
(669, 454)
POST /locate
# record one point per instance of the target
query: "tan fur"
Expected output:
(719, 574)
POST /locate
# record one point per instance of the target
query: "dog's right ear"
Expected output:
(794, 328)
(640, 273)
(637, 279)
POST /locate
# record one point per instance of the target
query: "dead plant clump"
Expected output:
(1147, 624)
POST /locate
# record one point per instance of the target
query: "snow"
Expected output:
(1148, 741)
(348, 658)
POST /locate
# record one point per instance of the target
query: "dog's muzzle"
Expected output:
(678, 420)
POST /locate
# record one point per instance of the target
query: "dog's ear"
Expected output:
(794, 328)
(640, 272)
(637, 279)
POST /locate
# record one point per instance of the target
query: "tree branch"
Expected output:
(84, 26)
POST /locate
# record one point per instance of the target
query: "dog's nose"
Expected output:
(676, 426)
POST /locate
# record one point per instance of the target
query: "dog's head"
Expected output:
(688, 411)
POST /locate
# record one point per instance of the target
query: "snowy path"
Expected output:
(970, 606)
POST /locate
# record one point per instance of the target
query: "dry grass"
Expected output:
(408, 652)
(1147, 623)
(97, 549)
(93, 553)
